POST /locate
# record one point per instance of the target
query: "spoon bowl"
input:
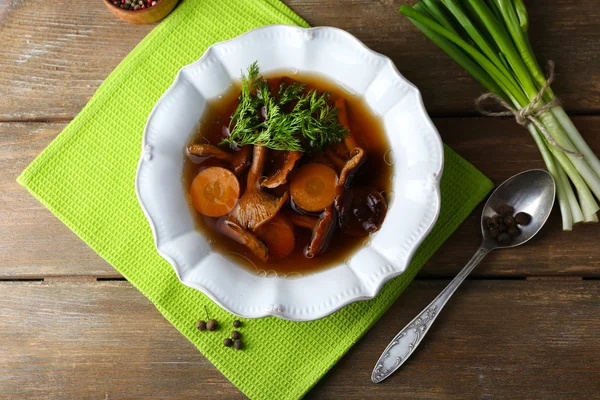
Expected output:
(532, 192)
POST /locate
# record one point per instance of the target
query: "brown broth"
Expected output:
(366, 128)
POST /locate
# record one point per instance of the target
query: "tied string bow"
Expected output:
(529, 113)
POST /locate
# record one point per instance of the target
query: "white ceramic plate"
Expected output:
(417, 152)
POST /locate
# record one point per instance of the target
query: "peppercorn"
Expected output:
(491, 222)
(505, 210)
(237, 323)
(509, 221)
(228, 342)
(235, 335)
(201, 325)
(212, 324)
(513, 231)
(504, 239)
(237, 344)
(494, 233)
(502, 228)
(523, 218)
(135, 4)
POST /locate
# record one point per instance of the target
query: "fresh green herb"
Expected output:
(289, 93)
(259, 118)
(318, 120)
(489, 39)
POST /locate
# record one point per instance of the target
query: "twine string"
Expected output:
(529, 113)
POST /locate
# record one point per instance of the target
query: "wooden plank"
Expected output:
(36, 244)
(500, 149)
(56, 54)
(495, 339)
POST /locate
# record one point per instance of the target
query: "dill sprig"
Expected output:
(318, 120)
(259, 118)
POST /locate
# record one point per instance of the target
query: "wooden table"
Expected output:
(526, 325)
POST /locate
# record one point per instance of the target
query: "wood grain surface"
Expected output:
(55, 54)
(33, 252)
(524, 327)
(494, 340)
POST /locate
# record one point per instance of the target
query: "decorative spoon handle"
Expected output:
(407, 340)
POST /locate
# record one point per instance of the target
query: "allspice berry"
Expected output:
(235, 335)
(523, 218)
(491, 223)
(237, 344)
(228, 342)
(513, 231)
(237, 324)
(504, 239)
(505, 210)
(201, 325)
(509, 221)
(212, 324)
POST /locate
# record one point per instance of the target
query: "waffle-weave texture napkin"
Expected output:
(86, 178)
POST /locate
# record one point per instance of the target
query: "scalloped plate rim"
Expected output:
(383, 280)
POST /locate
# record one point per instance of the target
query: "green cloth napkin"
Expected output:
(86, 178)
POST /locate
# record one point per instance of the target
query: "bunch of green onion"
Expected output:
(489, 39)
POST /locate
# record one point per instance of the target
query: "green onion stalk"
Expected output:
(489, 39)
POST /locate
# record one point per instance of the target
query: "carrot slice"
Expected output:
(349, 141)
(313, 187)
(215, 191)
(278, 235)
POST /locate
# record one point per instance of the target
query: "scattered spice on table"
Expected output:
(212, 325)
(236, 337)
(201, 325)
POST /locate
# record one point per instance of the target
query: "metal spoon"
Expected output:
(531, 192)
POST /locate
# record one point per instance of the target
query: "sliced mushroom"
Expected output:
(343, 198)
(322, 233)
(335, 159)
(280, 176)
(242, 236)
(363, 209)
(352, 165)
(241, 160)
(256, 207)
(303, 221)
(208, 150)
